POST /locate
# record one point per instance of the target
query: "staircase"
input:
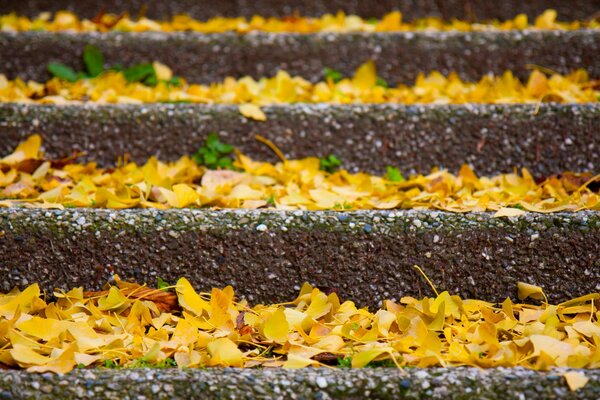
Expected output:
(366, 256)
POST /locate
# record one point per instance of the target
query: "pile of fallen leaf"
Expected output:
(391, 22)
(131, 325)
(115, 86)
(28, 179)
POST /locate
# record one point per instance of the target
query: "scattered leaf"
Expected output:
(252, 111)
(509, 212)
(62, 71)
(94, 60)
(575, 380)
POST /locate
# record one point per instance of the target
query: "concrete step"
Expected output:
(480, 9)
(366, 256)
(400, 56)
(492, 138)
(308, 383)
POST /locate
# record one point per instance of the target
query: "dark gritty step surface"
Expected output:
(309, 383)
(399, 56)
(491, 138)
(478, 9)
(365, 256)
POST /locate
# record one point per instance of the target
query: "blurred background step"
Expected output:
(399, 56)
(307, 383)
(411, 9)
(491, 138)
(266, 255)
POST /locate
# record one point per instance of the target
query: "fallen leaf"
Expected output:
(252, 111)
(575, 380)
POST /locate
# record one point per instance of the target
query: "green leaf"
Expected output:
(62, 71)
(214, 154)
(345, 362)
(212, 141)
(161, 284)
(223, 148)
(372, 21)
(330, 164)
(225, 162)
(93, 60)
(151, 80)
(381, 82)
(174, 81)
(198, 158)
(210, 159)
(138, 72)
(394, 175)
(334, 75)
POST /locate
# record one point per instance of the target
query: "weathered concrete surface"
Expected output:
(465, 9)
(267, 255)
(308, 383)
(399, 56)
(492, 138)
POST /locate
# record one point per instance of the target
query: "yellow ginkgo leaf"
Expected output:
(113, 301)
(225, 353)
(61, 365)
(295, 361)
(185, 195)
(509, 212)
(43, 328)
(189, 299)
(252, 111)
(366, 76)
(528, 290)
(25, 150)
(22, 301)
(277, 327)
(361, 359)
(26, 357)
(163, 72)
(576, 380)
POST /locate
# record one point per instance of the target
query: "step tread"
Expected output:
(433, 383)
(267, 255)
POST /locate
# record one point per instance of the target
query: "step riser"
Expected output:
(400, 56)
(432, 383)
(364, 256)
(491, 138)
(481, 9)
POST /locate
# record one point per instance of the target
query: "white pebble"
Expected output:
(261, 228)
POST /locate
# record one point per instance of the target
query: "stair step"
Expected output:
(266, 255)
(308, 383)
(491, 138)
(482, 9)
(400, 56)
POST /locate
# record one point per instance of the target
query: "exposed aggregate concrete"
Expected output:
(464, 9)
(491, 138)
(400, 56)
(308, 383)
(266, 255)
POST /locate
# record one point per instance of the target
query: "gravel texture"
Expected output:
(308, 383)
(399, 56)
(266, 255)
(465, 9)
(491, 138)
